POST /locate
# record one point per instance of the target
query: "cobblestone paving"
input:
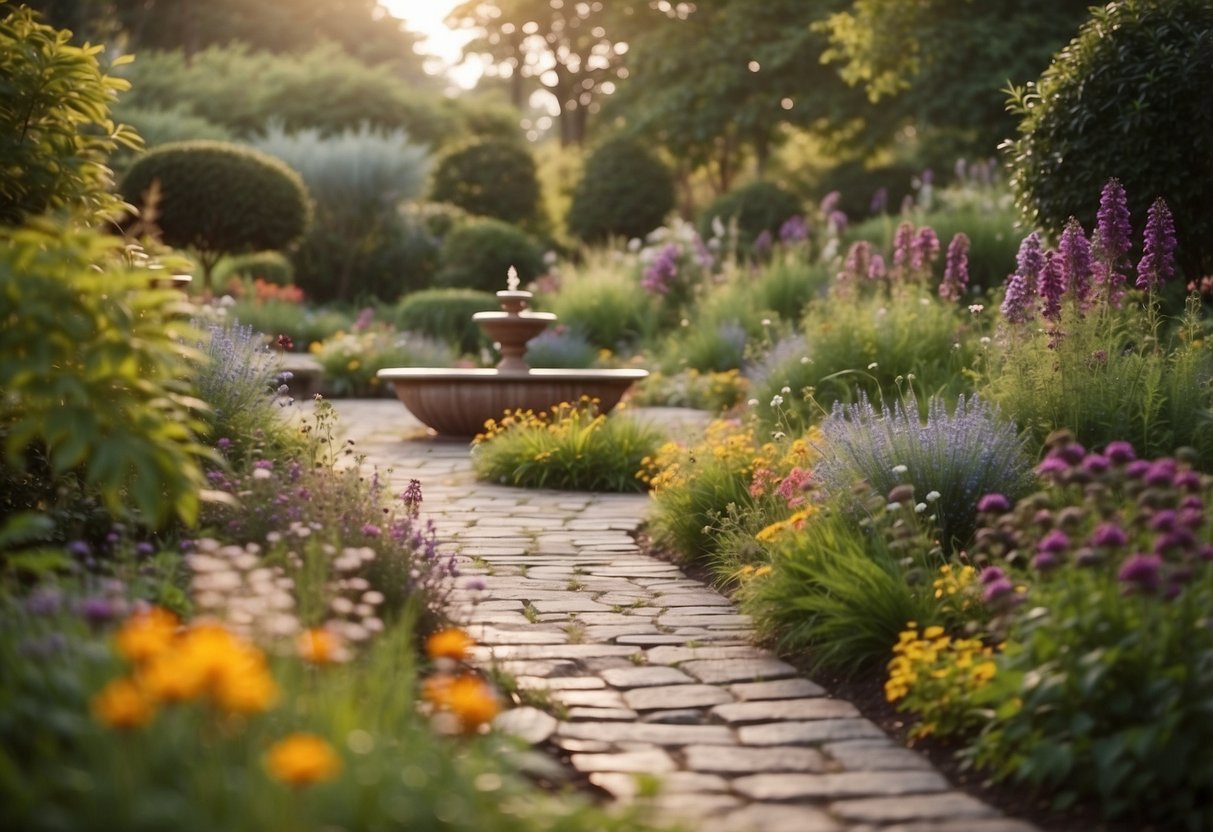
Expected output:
(651, 672)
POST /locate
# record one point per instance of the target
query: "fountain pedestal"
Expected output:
(457, 402)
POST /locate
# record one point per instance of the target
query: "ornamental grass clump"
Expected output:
(351, 360)
(955, 456)
(1101, 585)
(572, 446)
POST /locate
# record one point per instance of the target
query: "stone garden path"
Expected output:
(651, 672)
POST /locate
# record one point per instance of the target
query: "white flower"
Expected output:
(873, 365)
(920, 508)
(752, 403)
(766, 321)
(932, 496)
(785, 389)
(804, 359)
(976, 308)
(900, 469)
(776, 401)
(892, 506)
(261, 474)
(634, 244)
(985, 340)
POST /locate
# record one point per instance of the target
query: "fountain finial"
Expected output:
(511, 279)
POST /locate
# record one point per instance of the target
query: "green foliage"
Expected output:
(706, 347)
(479, 254)
(1107, 378)
(946, 460)
(218, 199)
(352, 359)
(270, 266)
(446, 314)
(713, 392)
(93, 374)
(359, 243)
(841, 591)
(1103, 689)
(756, 207)
(56, 133)
(625, 191)
(601, 300)
(573, 446)
(491, 178)
(1135, 77)
(303, 325)
(562, 348)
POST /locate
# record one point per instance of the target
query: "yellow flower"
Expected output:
(246, 687)
(451, 643)
(167, 678)
(145, 634)
(122, 704)
(320, 646)
(302, 759)
(472, 701)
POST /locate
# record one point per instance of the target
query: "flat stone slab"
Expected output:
(927, 807)
(675, 696)
(653, 760)
(558, 651)
(779, 689)
(724, 671)
(758, 817)
(677, 655)
(560, 682)
(528, 724)
(614, 714)
(796, 786)
(874, 755)
(785, 709)
(808, 733)
(645, 676)
(754, 760)
(601, 698)
(653, 733)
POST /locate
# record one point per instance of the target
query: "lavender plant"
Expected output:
(950, 459)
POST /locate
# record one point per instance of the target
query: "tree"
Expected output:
(573, 51)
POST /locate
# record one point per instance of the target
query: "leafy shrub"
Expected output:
(218, 199)
(949, 460)
(1134, 77)
(270, 266)
(598, 298)
(56, 133)
(939, 678)
(561, 347)
(713, 392)
(572, 446)
(756, 207)
(352, 359)
(446, 314)
(479, 254)
(489, 177)
(359, 244)
(93, 371)
(866, 191)
(303, 325)
(706, 348)
(624, 191)
(1103, 687)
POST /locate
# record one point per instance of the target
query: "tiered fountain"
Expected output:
(457, 402)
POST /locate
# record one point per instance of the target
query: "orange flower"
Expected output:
(470, 699)
(167, 678)
(302, 759)
(451, 643)
(320, 646)
(122, 704)
(146, 634)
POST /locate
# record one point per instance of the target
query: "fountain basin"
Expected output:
(457, 402)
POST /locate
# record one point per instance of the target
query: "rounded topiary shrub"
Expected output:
(478, 255)
(625, 191)
(218, 198)
(270, 266)
(1128, 98)
(756, 207)
(446, 315)
(489, 177)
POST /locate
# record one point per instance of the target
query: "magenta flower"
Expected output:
(877, 270)
(1113, 233)
(1017, 303)
(992, 574)
(903, 240)
(1120, 452)
(1054, 542)
(1141, 572)
(924, 249)
(855, 267)
(1108, 535)
(1030, 261)
(1095, 463)
(794, 230)
(1052, 287)
(996, 590)
(994, 503)
(1052, 465)
(1075, 254)
(956, 269)
(1045, 562)
(1157, 264)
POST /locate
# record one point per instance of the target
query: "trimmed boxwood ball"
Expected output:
(1129, 97)
(625, 191)
(491, 178)
(757, 207)
(478, 255)
(218, 198)
(446, 315)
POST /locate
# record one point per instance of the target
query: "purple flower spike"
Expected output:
(1096, 463)
(1045, 562)
(1030, 261)
(1120, 452)
(1157, 264)
(794, 230)
(763, 243)
(994, 503)
(903, 239)
(992, 574)
(877, 270)
(956, 270)
(1112, 224)
(1052, 287)
(1141, 572)
(1017, 302)
(1163, 521)
(1137, 468)
(1161, 472)
(838, 221)
(1052, 465)
(79, 548)
(996, 590)
(924, 249)
(1075, 254)
(1054, 542)
(859, 258)
(1109, 535)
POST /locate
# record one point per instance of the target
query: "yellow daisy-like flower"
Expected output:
(451, 643)
(146, 634)
(122, 704)
(302, 760)
(472, 700)
(320, 646)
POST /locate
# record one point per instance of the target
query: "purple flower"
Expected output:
(80, 549)
(829, 202)
(1112, 224)
(1095, 463)
(876, 267)
(659, 276)
(474, 584)
(997, 589)
(143, 549)
(956, 269)
(880, 201)
(992, 574)
(1186, 480)
(44, 601)
(924, 249)
(1163, 521)
(1160, 473)
(903, 240)
(859, 257)
(837, 220)
(223, 443)
(1140, 571)
(1030, 261)
(412, 493)
(1137, 468)
(1108, 535)
(1178, 539)
(98, 610)
(1052, 465)
(1052, 287)
(794, 230)
(763, 243)
(1120, 452)
(263, 465)
(1157, 264)
(1075, 254)
(1054, 542)
(994, 503)
(1017, 303)
(371, 530)
(1045, 562)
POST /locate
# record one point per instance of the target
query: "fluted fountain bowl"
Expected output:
(457, 402)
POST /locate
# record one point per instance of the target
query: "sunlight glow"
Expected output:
(426, 18)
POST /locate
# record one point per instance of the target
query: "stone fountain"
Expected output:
(457, 402)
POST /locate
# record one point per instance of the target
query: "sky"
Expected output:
(426, 17)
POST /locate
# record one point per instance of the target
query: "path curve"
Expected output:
(652, 672)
